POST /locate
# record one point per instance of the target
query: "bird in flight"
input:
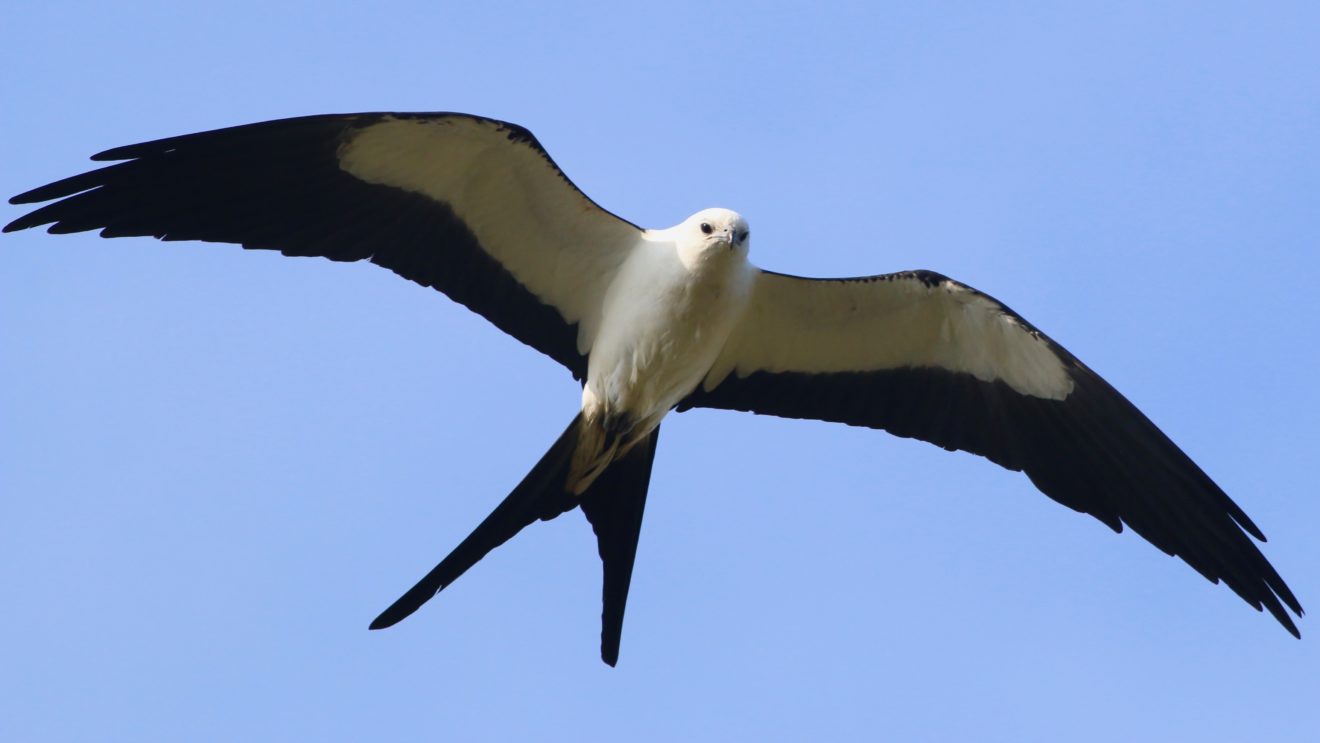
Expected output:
(651, 321)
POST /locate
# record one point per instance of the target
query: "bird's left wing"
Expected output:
(924, 357)
(470, 206)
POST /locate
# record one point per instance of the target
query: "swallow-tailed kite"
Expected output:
(656, 320)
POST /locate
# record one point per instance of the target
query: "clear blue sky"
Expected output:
(218, 466)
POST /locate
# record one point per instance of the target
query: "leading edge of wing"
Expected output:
(75, 184)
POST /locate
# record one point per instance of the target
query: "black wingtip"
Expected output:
(1288, 623)
(27, 197)
(117, 153)
(24, 222)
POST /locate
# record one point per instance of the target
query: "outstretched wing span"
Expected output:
(470, 206)
(924, 357)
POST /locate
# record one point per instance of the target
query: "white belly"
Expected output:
(663, 324)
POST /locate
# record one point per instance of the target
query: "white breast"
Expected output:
(665, 319)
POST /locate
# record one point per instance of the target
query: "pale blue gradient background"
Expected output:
(216, 467)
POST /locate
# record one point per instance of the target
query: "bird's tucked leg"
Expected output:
(603, 438)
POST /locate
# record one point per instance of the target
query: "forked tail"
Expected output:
(613, 504)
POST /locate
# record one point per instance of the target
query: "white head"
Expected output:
(715, 231)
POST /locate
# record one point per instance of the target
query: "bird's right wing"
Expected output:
(470, 206)
(922, 356)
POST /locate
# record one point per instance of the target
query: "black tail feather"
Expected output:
(614, 505)
(540, 495)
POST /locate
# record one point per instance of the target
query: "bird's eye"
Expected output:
(706, 228)
(742, 236)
